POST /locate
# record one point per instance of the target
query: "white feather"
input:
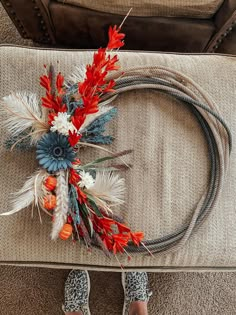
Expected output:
(62, 207)
(109, 187)
(24, 112)
(77, 76)
(28, 194)
(90, 118)
(79, 71)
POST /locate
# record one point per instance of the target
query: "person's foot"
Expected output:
(135, 286)
(77, 288)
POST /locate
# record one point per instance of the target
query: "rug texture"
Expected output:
(169, 174)
(27, 291)
(24, 291)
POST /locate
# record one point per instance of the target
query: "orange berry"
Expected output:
(66, 231)
(49, 202)
(50, 183)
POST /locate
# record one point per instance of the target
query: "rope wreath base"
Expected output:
(214, 128)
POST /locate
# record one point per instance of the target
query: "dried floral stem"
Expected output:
(101, 244)
(86, 236)
(40, 217)
(32, 211)
(74, 223)
(151, 254)
(125, 18)
(43, 209)
(120, 264)
(62, 207)
(103, 149)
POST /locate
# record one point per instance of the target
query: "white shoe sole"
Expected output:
(89, 286)
(123, 284)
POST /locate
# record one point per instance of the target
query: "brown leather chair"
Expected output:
(161, 25)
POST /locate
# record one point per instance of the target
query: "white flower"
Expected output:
(87, 181)
(62, 124)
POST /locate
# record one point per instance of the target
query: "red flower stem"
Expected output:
(94, 90)
(127, 253)
(151, 254)
(120, 76)
(95, 225)
(84, 91)
(121, 266)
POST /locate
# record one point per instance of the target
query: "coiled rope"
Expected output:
(214, 128)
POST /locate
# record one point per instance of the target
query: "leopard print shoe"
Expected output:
(77, 288)
(135, 286)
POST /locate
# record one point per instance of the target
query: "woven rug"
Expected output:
(174, 293)
(170, 166)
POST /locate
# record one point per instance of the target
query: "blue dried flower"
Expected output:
(54, 152)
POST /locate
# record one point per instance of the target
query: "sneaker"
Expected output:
(77, 288)
(135, 286)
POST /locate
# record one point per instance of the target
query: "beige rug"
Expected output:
(27, 291)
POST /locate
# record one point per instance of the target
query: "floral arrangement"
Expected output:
(78, 197)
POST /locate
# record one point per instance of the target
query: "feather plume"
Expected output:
(109, 187)
(28, 194)
(25, 113)
(77, 76)
(62, 207)
(90, 118)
